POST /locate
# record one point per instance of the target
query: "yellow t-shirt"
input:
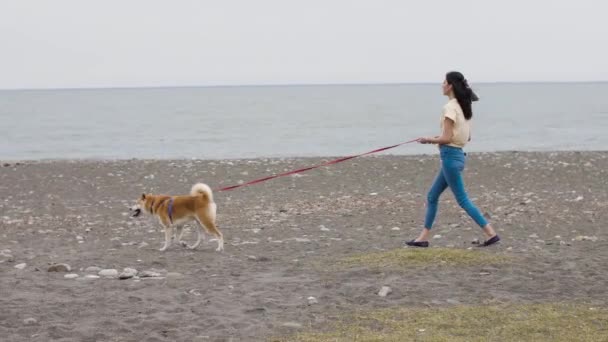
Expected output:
(462, 126)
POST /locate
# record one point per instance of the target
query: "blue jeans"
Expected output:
(452, 165)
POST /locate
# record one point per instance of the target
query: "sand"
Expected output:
(283, 238)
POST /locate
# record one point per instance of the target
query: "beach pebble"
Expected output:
(533, 236)
(91, 276)
(92, 269)
(21, 266)
(437, 236)
(128, 273)
(59, 268)
(30, 321)
(302, 240)
(323, 228)
(71, 276)
(7, 256)
(149, 274)
(384, 291)
(108, 273)
(585, 238)
(292, 325)
(312, 300)
(395, 228)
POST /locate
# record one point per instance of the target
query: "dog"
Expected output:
(175, 211)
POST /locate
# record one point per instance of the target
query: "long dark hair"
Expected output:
(464, 94)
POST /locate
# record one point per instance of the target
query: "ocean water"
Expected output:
(287, 121)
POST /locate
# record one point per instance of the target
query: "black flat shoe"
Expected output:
(414, 243)
(494, 239)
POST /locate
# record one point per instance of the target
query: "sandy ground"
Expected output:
(282, 237)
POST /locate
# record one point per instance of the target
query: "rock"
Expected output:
(30, 321)
(59, 268)
(252, 258)
(143, 245)
(92, 269)
(292, 325)
(7, 256)
(256, 310)
(533, 236)
(437, 236)
(312, 300)
(578, 199)
(108, 273)
(149, 274)
(91, 276)
(21, 266)
(71, 276)
(128, 273)
(302, 240)
(585, 238)
(323, 228)
(384, 291)
(395, 228)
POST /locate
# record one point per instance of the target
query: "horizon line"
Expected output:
(254, 85)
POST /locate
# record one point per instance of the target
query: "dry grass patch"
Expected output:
(528, 322)
(404, 257)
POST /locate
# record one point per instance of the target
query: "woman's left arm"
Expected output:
(446, 135)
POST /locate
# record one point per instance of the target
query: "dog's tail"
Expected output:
(201, 189)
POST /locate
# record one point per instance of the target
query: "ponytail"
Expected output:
(463, 92)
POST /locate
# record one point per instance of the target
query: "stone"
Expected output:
(127, 273)
(59, 268)
(108, 273)
(92, 269)
(384, 291)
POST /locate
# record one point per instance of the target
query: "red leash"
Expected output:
(335, 161)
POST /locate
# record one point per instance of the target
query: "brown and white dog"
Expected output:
(177, 210)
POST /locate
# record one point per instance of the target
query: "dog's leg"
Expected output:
(180, 232)
(168, 236)
(200, 235)
(209, 223)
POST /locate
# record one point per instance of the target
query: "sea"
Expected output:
(236, 122)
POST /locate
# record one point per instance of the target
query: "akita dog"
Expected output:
(175, 211)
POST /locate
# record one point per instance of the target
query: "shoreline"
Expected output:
(312, 157)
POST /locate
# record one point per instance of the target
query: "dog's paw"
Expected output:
(219, 249)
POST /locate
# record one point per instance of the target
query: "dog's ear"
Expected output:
(143, 196)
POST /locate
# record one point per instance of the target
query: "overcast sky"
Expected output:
(111, 43)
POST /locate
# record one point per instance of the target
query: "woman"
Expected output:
(456, 132)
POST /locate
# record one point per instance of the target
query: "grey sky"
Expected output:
(110, 43)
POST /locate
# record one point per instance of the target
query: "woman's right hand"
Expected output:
(425, 140)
